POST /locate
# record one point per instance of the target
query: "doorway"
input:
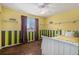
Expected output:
(28, 25)
(23, 29)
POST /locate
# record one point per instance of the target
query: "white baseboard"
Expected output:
(10, 45)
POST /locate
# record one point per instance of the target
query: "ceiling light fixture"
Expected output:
(43, 11)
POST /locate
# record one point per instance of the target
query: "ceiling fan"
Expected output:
(43, 5)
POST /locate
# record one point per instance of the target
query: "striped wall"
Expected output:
(50, 33)
(30, 36)
(8, 38)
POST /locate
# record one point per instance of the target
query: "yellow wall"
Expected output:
(0, 8)
(8, 13)
(44, 23)
(7, 25)
(68, 16)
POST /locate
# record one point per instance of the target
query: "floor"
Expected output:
(33, 48)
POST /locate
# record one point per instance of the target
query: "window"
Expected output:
(30, 24)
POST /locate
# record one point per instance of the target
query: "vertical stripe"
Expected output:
(44, 32)
(32, 35)
(29, 36)
(3, 38)
(25, 40)
(0, 39)
(60, 32)
(9, 37)
(15, 37)
(6, 38)
(53, 33)
(12, 37)
(57, 32)
(18, 37)
(40, 34)
(48, 33)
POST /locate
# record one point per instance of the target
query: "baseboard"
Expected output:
(10, 45)
(16, 44)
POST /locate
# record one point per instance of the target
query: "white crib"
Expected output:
(51, 46)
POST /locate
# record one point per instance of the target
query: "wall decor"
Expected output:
(51, 22)
(12, 19)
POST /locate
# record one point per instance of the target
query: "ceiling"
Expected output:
(42, 9)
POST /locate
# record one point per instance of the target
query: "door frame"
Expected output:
(37, 29)
(24, 30)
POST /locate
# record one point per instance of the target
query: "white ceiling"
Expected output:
(42, 9)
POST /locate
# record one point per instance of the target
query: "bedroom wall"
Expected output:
(66, 19)
(45, 26)
(60, 23)
(12, 29)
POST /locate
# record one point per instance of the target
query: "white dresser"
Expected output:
(53, 46)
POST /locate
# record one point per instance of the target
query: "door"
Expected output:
(29, 25)
(23, 29)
